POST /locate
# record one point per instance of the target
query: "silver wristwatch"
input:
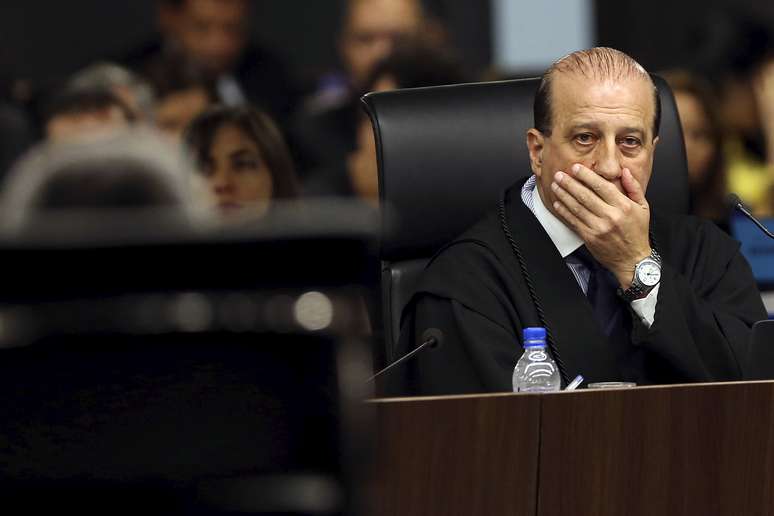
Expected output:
(647, 274)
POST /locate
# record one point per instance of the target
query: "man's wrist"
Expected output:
(625, 276)
(647, 275)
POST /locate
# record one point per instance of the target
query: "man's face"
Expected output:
(372, 29)
(605, 125)
(213, 33)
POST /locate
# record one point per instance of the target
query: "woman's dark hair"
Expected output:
(707, 197)
(257, 126)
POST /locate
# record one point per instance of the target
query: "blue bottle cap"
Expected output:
(534, 333)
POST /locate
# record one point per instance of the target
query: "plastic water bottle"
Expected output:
(535, 371)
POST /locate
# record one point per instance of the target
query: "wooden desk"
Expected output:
(680, 450)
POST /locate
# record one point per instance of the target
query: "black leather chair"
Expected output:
(760, 360)
(444, 155)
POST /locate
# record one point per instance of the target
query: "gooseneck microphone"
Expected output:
(737, 204)
(431, 338)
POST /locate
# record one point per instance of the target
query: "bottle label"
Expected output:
(538, 365)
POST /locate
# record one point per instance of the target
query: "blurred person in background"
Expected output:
(16, 135)
(703, 136)
(214, 36)
(326, 131)
(130, 170)
(182, 94)
(78, 113)
(17, 128)
(134, 91)
(371, 29)
(738, 57)
(240, 153)
(412, 64)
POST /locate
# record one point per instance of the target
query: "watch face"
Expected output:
(649, 273)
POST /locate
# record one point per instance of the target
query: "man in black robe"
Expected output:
(670, 300)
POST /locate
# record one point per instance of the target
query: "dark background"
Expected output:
(667, 33)
(46, 39)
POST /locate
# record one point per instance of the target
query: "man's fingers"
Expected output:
(569, 217)
(581, 193)
(632, 187)
(604, 189)
(579, 211)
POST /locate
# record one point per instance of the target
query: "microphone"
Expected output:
(431, 338)
(736, 203)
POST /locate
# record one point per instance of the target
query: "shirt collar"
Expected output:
(565, 239)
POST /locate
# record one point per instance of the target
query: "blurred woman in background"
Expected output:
(243, 158)
(703, 136)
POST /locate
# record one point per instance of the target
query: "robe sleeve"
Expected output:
(480, 323)
(706, 307)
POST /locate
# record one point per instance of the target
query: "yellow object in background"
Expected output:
(750, 178)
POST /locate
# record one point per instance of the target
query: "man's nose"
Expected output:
(607, 161)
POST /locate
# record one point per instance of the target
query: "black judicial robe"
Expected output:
(474, 291)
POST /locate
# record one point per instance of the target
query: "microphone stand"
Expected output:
(430, 342)
(737, 204)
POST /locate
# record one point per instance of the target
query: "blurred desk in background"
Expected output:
(150, 368)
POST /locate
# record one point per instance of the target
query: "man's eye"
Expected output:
(631, 142)
(584, 138)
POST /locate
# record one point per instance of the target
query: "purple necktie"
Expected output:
(601, 292)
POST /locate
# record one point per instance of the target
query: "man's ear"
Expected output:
(655, 141)
(535, 143)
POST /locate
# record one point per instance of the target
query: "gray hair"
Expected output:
(109, 76)
(602, 63)
(131, 170)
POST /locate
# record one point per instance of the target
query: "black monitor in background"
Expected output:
(185, 372)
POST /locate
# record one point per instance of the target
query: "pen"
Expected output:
(574, 384)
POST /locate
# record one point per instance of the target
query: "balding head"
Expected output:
(601, 64)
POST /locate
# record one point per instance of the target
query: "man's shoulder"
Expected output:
(479, 261)
(482, 237)
(477, 257)
(686, 240)
(690, 228)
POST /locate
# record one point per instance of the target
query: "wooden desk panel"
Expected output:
(464, 455)
(681, 450)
